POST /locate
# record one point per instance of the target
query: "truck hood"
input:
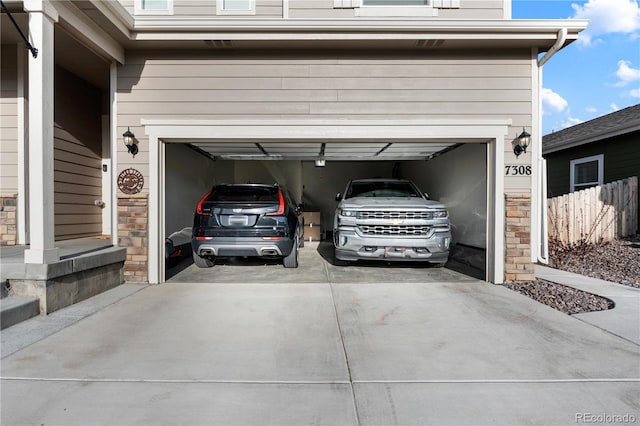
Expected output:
(391, 203)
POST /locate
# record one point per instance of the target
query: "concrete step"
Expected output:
(15, 309)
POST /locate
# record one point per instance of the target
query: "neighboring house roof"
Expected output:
(617, 123)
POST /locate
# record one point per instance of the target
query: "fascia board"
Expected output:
(116, 14)
(194, 29)
(78, 24)
(157, 23)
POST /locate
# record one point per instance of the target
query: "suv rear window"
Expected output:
(244, 193)
(381, 189)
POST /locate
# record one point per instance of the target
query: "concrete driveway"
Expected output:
(341, 353)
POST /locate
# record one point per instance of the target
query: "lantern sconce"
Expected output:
(130, 142)
(521, 143)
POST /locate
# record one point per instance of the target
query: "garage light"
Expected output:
(522, 143)
(130, 142)
(320, 163)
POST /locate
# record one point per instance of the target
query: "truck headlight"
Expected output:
(440, 214)
(347, 213)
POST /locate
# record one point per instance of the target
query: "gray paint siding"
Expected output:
(621, 160)
(77, 157)
(325, 86)
(304, 9)
(8, 120)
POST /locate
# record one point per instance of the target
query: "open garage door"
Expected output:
(454, 173)
(455, 170)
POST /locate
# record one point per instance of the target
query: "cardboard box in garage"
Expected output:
(311, 233)
(311, 218)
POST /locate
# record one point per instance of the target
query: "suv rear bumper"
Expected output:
(351, 246)
(239, 246)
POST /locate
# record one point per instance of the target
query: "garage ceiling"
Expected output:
(334, 151)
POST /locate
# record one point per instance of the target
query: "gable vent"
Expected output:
(429, 44)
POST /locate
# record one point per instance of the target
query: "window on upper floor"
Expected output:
(587, 172)
(236, 7)
(154, 7)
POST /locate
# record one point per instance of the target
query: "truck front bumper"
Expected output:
(349, 245)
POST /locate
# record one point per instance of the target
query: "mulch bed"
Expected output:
(617, 261)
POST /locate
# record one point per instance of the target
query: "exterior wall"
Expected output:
(469, 9)
(323, 85)
(458, 179)
(303, 9)
(621, 160)
(8, 220)
(8, 119)
(518, 264)
(77, 157)
(133, 233)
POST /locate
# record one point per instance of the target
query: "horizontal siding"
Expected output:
(483, 85)
(8, 120)
(621, 160)
(305, 9)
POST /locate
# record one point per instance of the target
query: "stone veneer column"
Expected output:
(133, 230)
(8, 221)
(518, 266)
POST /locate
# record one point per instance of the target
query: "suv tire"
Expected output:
(291, 261)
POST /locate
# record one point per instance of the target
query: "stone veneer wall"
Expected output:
(8, 221)
(133, 232)
(518, 266)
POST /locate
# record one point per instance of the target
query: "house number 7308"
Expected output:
(513, 170)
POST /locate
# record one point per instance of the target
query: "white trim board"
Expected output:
(478, 131)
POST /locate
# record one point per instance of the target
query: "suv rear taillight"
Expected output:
(280, 210)
(199, 207)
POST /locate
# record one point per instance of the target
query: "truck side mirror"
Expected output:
(338, 196)
(426, 194)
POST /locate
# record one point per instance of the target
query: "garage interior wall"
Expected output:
(287, 173)
(321, 184)
(77, 157)
(458, 179)
(189, 175)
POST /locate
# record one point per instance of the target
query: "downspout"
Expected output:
(562, 38)
(543, 253)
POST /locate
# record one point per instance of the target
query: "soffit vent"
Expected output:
(429, 44)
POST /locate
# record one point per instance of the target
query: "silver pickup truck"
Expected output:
(390, 219)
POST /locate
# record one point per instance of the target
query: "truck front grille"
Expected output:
(391, 215)
(392, 230)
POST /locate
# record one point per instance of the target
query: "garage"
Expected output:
(452, 170)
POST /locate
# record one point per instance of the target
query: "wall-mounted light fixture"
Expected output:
(522, 143)
(130, 142)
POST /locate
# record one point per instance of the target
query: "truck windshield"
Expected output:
(381, 189)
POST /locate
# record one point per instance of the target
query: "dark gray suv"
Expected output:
(247, 220)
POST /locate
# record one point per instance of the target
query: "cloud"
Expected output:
(591, 110)
(552, 102)
(626, 74)
(614, 107)
(635, 93)
(571, 121)
(607, 16)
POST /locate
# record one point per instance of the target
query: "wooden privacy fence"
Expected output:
(597, 214)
